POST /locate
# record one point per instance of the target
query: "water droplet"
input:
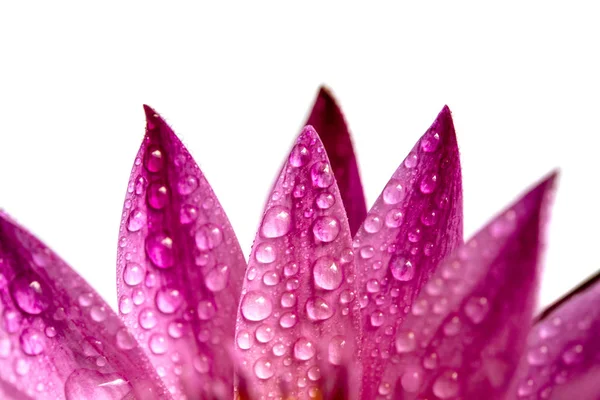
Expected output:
(384, 388)
(125, 305)
(154, 159)
(176, 329)
(288, 320)
(201, 364)
(367, 252)
(158, 195)
(430, 361)
(452, 328)
(158, 344)
(89, 384)
(187, 185)
(321, 174)
(304, 349)
(411, 160)
(147, 318)
(98, 313)
(325, 200)
(217, 278)
(206, 310)
(124, 339)
(430, 142)
(256, 306)
(299, 156)
(573, 354)
(337, 350)
(393, 192)
(373, 223)
(271, 278)
(188, 214)
(476, 309)
(263, 368)
(30, 294)
(21, 366)
(314, 373)
(138, 297)
(264, 333)
(136, 220)
(279, 349)
(277, 222)
(168, 300)
(327, 274)
(50, 332)
(377, 318)
(412, 379)
(288, 300)
(244, 340)
(405, 342)
(428, 183)
(133, 274)
(538, 355)
(32, 342)
(429, 217)
(318, 309)
(402, 269)
(290, 269)
(326, 229)
(446, 385)
(159, 248)
(208, 237)
(265, 253)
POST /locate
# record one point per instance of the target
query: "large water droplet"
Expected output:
(133, 274)
(208, 237)
(393, 192)
(32, 342)
(429, 183)
(318, 309)
(304, 349)
(402, 269)
(326, 229)
(337, 350)
(327, 274)
(168, 300)
(89, 384)
(446, 385)
(430, 141)
(373, 223)
(188, 214)
(299, 156)
(159, 248)
(412, 379)
(217, 278)
(265, 253)
(30, 294)
(158, 344)
(158, 195)
(405, 342)
(147, 318)
(206, 310)
(256, 306)
(263, 368)
(476, 309)
(288, 320)
(325, 200)
(244, 340)
(187, 185)
(136, 220)
(277, 222)
(155, 159)
(264, 333)
(321, 174)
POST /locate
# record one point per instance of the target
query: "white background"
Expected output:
(236, 81)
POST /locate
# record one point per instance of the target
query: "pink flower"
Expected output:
(334, 302)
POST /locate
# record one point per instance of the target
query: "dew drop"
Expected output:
(89, 384)
(176, 329)
(429, 217)
(405, 342)
(98, 313)
(136, 220)
(327, 274)
(277, 222)
(125, 305)
(206, 310)
(430, 142)
(263, 368)
(32, 342)
(159, 248)
(325, 200)
(168, 300)
(304, 349)
(412, 379)
(393, 192)
(290, 269)
(476, 309)
(288, 320)
(256, 306)
(244, 340)
(299, 156)
(265, 253)
(158, 344)
(201, 363)
(326, 229)
(411, 160)
(402, 269)
(208, 237)
(337, 350)
(154, 160)
(573, 354)
(446, 385)
(187, 185)
(30, 294)
(188, 214)
(321, 174)
(133, 274)
(384, 388)
(538, 355)
(217, 278)
(428, 183)
(377, 318)
(288, 300)
(264, 333)
(271, 278)
(158, 195)
(318, 309)
(147, 318)
(373, 223)
(393, 218)
(279, 349)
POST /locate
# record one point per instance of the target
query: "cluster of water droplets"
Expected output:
(299, 278)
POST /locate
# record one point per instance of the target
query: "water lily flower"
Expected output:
(334, 302)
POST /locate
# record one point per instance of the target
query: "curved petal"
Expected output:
(413, 225)
(58, 338)
(327, 119)
(464, 334)
(298, 304)
(562, 359)
(179, 268)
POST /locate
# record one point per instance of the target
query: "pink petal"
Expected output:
(413, 225)
(562, 358)
(327, 119)
(59, 338)
(466, 330)
(179, 268)
(298, 305)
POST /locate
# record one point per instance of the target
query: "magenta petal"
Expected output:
(298, 304)
(466, 330)
(413, 225)
(562, 358)
(327, 119)
(59, 338)
(179, 269)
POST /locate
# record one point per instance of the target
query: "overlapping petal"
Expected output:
(179, 268)
(327, 119)
(465, 332)
(59, 339)
(298, 306)
(412, 226)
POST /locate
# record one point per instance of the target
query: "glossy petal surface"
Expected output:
(413, 225)
(58, 338)
(180, 268)
(562, 359)
(327, 119)
(298, 304)
(464, 334)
